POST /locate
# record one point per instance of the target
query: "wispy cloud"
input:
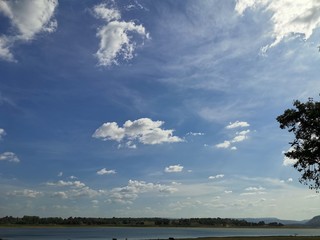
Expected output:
(9, 156)
(174, 168)
(115, 38)
(216, 176)
(25, 193)
(289, 18)
(2, 133)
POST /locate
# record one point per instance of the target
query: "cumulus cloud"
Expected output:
(116, 36)
(27, 18)
(174, 168)
(61, 183)
(25, 193)
(237, 124)
(289, 18)
(217, 176)
(143, 130)
(74, 189)
(104, 171)
(225, 144)
(239, 136)
(9, 156)
(60, 194)
(130, 192)
(288, 161)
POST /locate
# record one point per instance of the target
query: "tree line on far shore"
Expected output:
(165, 222)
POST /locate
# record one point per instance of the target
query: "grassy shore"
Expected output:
(258, 238)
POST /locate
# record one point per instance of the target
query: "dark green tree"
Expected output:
(304, 122)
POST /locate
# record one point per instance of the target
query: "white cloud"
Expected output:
(104, 171)
(9, 156)
(5, 52)
(255, 189)
(61, 183)
(2, 133)
(288, 161)
(174, 168)
(115, 40)
(143, 130)
(217, 176)
(25, 193)
(60, 174)
(28, 18)
(76, 189)
(290, 180)
(227, 191)
(195, 133)
(289, 18)
(237, 124)
(131, 192)
(60, 194)
(225, 144)
(239, 137)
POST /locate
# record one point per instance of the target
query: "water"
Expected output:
(122, 233)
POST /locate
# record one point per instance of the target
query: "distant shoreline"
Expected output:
(145, 226)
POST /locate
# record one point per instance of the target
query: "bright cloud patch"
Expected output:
(2, 133)
(288, 17)
(254, 191)
(9, 156)
(289, 161)
(61, 183)
(27, 18)
(73, 189)
(129, 193)
(217, 176)
(238, 137)
(174, 168)
(104, 171)
(143, 130)
(225, 144)
(237, 124)
(115, 40)
(25, 193)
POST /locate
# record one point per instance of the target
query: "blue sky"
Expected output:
(153, 108)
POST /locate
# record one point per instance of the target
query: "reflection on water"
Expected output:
(121, 233)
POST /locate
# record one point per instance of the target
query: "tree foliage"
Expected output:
(304, 122)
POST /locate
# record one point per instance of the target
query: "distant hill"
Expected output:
(270, 220)
(314, 222)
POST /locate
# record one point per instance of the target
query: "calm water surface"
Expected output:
(121, 233)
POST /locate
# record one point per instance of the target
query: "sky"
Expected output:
(163, 108)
